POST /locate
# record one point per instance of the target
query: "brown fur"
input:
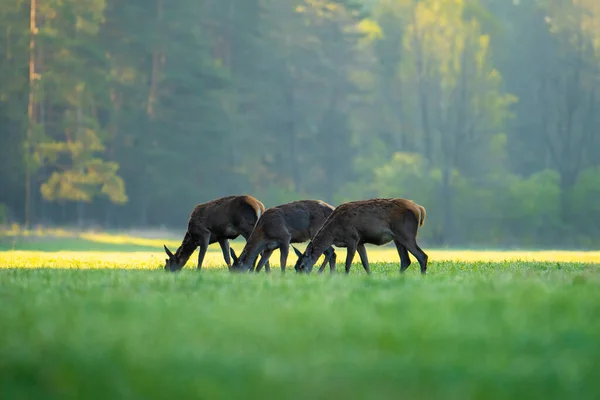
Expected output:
(216, 221)
(293, 222)
(374, 221)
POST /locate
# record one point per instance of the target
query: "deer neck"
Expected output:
(251, 252)
(319, 244)
(183, 253)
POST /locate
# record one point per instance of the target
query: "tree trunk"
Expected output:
(156, 58)
(108, 213)
(422, 95)
(447, 200)
(291, 126)
(30, 115)
(80, 214)
(143, 211)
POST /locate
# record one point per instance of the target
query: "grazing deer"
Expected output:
(374, 221)
(216, 221)
(294, 222)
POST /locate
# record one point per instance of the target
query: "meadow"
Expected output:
(110, 323)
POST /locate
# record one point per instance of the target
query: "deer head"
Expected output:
(237, 265)
(304, 263)
(171, 263)
(298, 261)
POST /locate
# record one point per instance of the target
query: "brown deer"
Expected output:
(294, 222)
(216, 221)
(374, 221)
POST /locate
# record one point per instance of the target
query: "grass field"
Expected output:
(110, 323)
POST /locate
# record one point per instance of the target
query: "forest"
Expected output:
(127, 113)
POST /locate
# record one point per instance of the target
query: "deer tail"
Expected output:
(423, 214)
(258, 211)
(419, 212)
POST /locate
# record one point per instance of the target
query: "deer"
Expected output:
(374, 221)
(217, 220)
(294, 222)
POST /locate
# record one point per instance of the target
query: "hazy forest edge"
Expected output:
(128, 113)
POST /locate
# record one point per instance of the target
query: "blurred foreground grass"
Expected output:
(475, 327)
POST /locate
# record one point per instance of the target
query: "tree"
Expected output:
(445, 61)
(68, 137)
(14, 61)
(569, 86)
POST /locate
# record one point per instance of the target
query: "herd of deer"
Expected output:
(350, 225)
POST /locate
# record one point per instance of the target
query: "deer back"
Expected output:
(299, 219)
(369, 218)
(230, 211)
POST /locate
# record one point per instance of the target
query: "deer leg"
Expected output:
(253, 266)
(420, 255)
(224, 243)
(264, 261)
(324, 263)
(267, 255)
(362, 252)
(403, 253)
(328, 254)
(203, 243)
(284, 250)
(267, 264)
(332, 261)
(350, 250)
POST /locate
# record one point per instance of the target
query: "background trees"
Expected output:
(484, 111)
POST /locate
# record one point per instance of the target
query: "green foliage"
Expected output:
(535, 199)
(505, 210)
(406, 173)
(96, 176)
(585, 206)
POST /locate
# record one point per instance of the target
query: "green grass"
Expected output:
(126, 329)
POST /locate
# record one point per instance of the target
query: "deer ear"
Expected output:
(168, 252)
(298, 253)
(232, 252)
